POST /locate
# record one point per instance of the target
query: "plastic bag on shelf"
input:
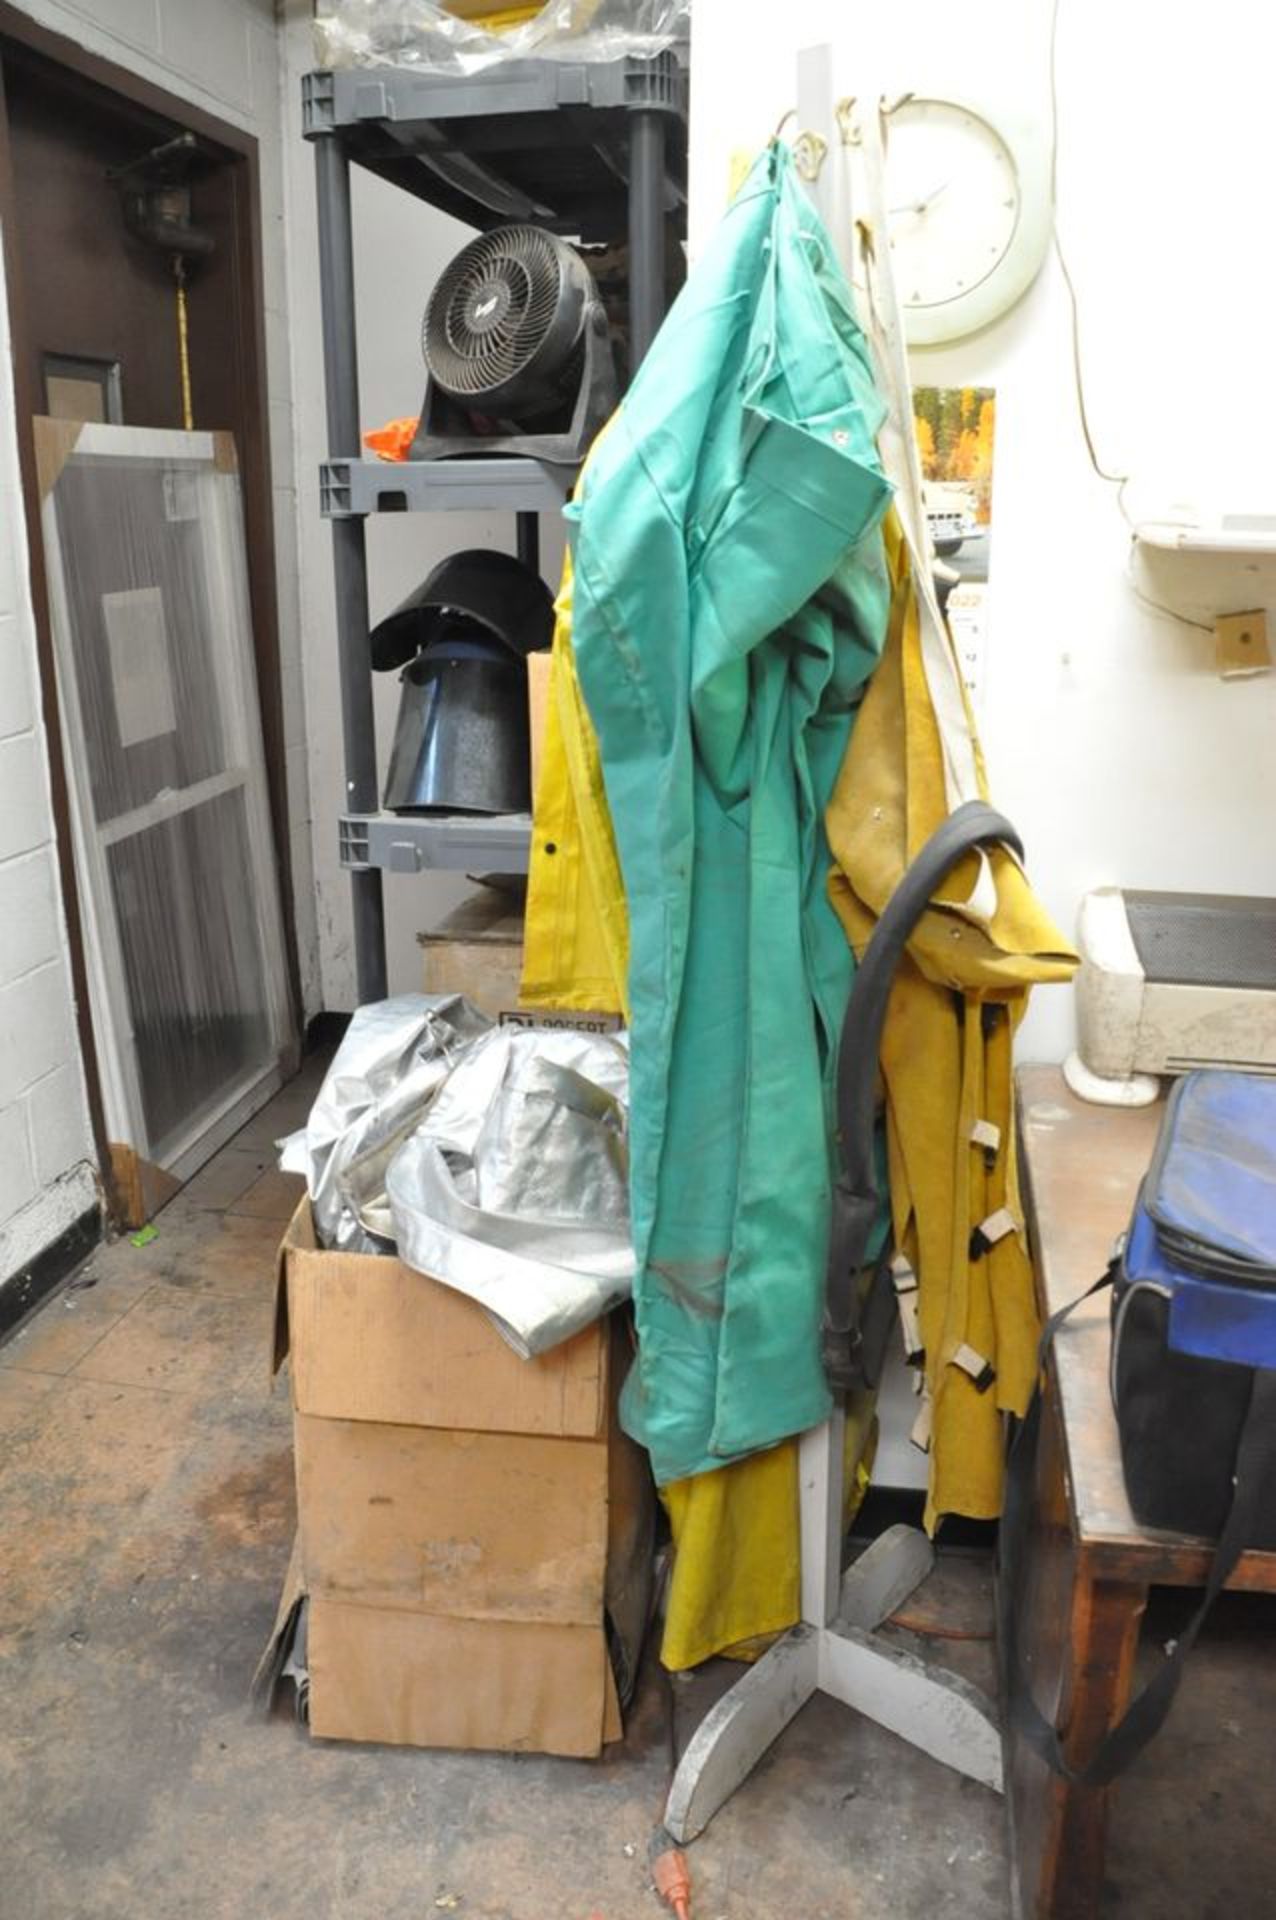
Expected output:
(424, 33)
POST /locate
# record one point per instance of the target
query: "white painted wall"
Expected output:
(222, 55)
(400, 248)
(1111, 742)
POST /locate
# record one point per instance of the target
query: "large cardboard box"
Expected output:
(466, 1519)
(477, 950)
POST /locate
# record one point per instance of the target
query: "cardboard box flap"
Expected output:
(274, 1657)
(613, 1721)
(631, 1530)
(300, 1232)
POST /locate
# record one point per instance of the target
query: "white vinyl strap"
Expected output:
(996, 1226)
(980, 1369)
(902, 1275)
(920, 1435)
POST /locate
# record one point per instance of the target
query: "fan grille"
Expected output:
(491, 310)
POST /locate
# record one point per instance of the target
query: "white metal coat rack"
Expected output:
(833, 1649)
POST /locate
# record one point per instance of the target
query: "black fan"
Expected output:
(517, 350)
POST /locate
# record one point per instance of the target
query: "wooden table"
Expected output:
(1089, 1564)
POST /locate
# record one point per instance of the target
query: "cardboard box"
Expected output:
(413, 1679)
(477, 950)
(476, 1526)
(466, 1519)
(369, 1339)
(417, 1680)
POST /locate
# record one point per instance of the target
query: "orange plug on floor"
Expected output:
(669, 1871)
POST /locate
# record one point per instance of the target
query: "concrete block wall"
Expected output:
(222, 55)
(46, 1149)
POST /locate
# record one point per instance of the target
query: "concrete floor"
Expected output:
(146, 1514)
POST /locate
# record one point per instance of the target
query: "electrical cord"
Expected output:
(1118, 480)
(933, 1630)
(1155, 606)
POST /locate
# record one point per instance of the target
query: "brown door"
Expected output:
(94, 313)
(91, 292)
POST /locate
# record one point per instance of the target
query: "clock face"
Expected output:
(953, 206)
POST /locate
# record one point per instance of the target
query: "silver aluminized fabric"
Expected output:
(514, 1189)
(395, 1056)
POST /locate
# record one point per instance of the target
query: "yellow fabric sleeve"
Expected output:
(945, 1066)
(576, 932)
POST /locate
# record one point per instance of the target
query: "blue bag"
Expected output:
(1193, 1377)
(1194, 1306)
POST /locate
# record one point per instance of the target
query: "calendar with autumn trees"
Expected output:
(955, 428)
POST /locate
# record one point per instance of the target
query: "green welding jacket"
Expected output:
(731, 599)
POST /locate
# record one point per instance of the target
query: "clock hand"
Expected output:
(927, 200)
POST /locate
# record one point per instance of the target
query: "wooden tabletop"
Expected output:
(1081, 1168)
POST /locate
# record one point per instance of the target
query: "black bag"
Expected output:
(1193, 1374)
(1194, 1305)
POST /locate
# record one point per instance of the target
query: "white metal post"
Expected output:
(833, 1650)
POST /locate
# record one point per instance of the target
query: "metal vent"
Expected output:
(1204, 939)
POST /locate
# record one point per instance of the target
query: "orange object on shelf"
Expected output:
(393, 441)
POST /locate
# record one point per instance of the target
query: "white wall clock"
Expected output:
(968, 215)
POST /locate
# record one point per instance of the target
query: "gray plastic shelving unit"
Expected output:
(592, 149)
(416, 842)
(439, 486)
